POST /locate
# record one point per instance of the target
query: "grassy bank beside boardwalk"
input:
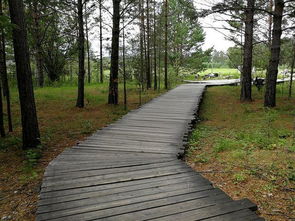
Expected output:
(247, 150)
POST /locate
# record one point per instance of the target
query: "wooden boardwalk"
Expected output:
(130, 171)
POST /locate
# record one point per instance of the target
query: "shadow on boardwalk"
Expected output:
(130, 171)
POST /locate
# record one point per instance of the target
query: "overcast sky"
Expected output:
(214, 38)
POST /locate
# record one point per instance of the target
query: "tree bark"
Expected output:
(124, 68)
(148, 64)
(38, 44)
(2, 130)
(270, 22)
(30, 129)
(155, 50)
(113, 86)
(3, 71)
(142, 44)
(100, 40)
(246, 84)
(166, 46)
(87, 45)
(292, 70)
(159, 61)
(81, 74)
(3, 74)
(272, 71)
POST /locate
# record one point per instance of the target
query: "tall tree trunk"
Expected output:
(148, 64)
(113, 86)
(272, 71)
(141, 22)
(38, 46)
(100, 41)
(2, 130)
(3, 73)
(155, 50)
(124, 67)
(270, 22)
(159, 61)
(246, 84)
(166, 46)
(87, 45)
(30, 129)
(142, 44)
(81, 74)
(292, 70)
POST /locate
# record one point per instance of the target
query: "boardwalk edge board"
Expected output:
(134, 169)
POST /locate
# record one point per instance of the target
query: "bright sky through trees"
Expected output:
(214, 36)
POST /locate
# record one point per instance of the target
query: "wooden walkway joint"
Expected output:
(130, 171)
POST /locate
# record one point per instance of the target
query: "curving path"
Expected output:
(130, 171)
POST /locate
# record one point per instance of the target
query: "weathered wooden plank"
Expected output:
(245, 215)
(176, 207)
(79, 174)
(187, 181)
(137, 133)
(97, 212)
(125, 148)
(147, 138)
(132, 184)
(56, 164)
(209, 212)
(137, 195)
(114, 141)
(70, 184)
(67, 168)
(108, 156)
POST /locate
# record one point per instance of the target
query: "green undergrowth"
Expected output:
(247, 143)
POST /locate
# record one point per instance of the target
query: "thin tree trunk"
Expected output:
(142, 47)
(159, 62)
(124, 67)
(292, 71)
(81, 74)
(3, 74)
(141, 22)
(166, 45)
(38, 46)
(148, 65)
(30, 129)
(87, 46)
(272, 71)
(100, 40)
(2, 130)
(246, 84)
(155, 50)
(113, 86)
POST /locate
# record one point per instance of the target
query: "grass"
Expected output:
(223, 72)
(61, 126)
(247, 150)
(226, 72)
